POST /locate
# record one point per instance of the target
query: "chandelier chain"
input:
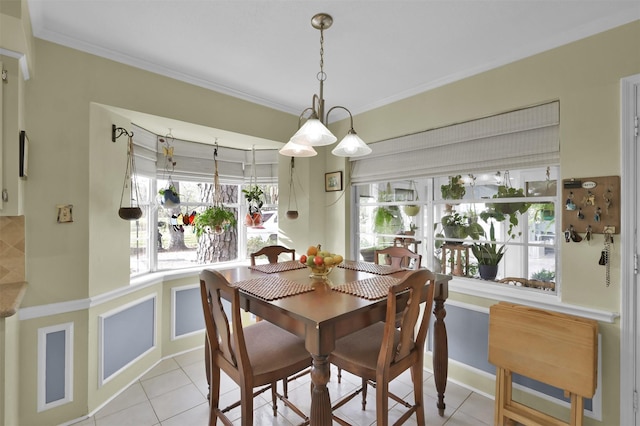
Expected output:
(322, 76)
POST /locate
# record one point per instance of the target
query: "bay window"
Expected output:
(163, 238)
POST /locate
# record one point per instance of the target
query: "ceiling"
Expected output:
(267, 52)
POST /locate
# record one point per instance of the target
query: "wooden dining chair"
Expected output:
(399, 256)
(272, 253)
(381, 352)
(256, 356)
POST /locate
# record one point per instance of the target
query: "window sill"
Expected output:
(524, 296)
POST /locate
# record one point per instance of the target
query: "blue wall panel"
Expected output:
(188, 315)
(127, 335)
(55, 366)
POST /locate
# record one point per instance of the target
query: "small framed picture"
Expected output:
(65, 213)
(24, 154)
(333, 181)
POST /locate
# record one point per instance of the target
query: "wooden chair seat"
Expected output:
(254, 356)
(381, 352)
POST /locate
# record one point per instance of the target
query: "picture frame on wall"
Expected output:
(24, 155)
(333, 181)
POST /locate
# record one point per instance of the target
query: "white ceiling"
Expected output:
(266, 51)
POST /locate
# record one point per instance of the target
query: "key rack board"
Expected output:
(589, 196)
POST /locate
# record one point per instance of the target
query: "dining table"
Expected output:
(323, 309)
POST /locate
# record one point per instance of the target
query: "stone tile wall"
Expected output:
(11, 249)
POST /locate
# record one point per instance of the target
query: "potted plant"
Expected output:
(503, 211)
(488, 256)
(216, 220)
(170, 196)
(457, 225)
(454, 190)
(253, 195)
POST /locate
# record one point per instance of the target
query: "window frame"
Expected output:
(430, 203)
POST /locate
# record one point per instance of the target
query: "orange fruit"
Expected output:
(312, 251)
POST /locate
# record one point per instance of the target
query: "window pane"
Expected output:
(139, 260)
(505, 218)
(178, 246)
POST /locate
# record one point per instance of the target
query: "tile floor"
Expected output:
(173, 393)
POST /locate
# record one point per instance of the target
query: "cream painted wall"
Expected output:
(585, 77)
(64, 147)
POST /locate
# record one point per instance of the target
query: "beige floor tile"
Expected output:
(165, 383)
(190, 357)
(198, 415)
(461, 419)
(479, 407)
(162, 367)
(177, 401)
(174, 393)
(133, 395)
(138, 415)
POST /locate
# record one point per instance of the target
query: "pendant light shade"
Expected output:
(313, 133)
(351, 146)
(297, 150)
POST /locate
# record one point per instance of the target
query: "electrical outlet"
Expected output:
(608, 229)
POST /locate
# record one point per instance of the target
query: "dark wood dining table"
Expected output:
(323, 315)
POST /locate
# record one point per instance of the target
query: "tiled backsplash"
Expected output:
(11, 249)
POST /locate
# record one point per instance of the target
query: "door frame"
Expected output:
(629, 345)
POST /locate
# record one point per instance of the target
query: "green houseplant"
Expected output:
(214, 219)
(254, 195)
(488, 255)
(454, 190)
(459, 225)
(503, 211)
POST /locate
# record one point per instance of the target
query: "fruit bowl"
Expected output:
(320, 262)
(320, 271)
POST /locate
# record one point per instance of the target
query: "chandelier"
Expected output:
(314, 132)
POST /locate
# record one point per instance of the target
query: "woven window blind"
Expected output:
(527, 137)
(194, 161)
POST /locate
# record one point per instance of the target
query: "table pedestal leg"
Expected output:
(441, 351)
(320, 402)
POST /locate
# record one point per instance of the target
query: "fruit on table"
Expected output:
(320, 261)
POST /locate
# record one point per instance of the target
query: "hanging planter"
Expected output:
(215, 219)
(254, 196)
(170, 197)
(133, 210)
(292, 214)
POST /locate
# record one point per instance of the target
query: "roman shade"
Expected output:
(194, 161)
(528, 137)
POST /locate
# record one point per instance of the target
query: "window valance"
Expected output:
(527, 137)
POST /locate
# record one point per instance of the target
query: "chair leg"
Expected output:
(339, 375)
(274, 397)
(382, 402)
(285, 388)
(246, 405)
(364, 394)
(416, 375)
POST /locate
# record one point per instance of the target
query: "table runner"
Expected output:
(368, 288)
(272, 268)
(271, 288)
(370, 267)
